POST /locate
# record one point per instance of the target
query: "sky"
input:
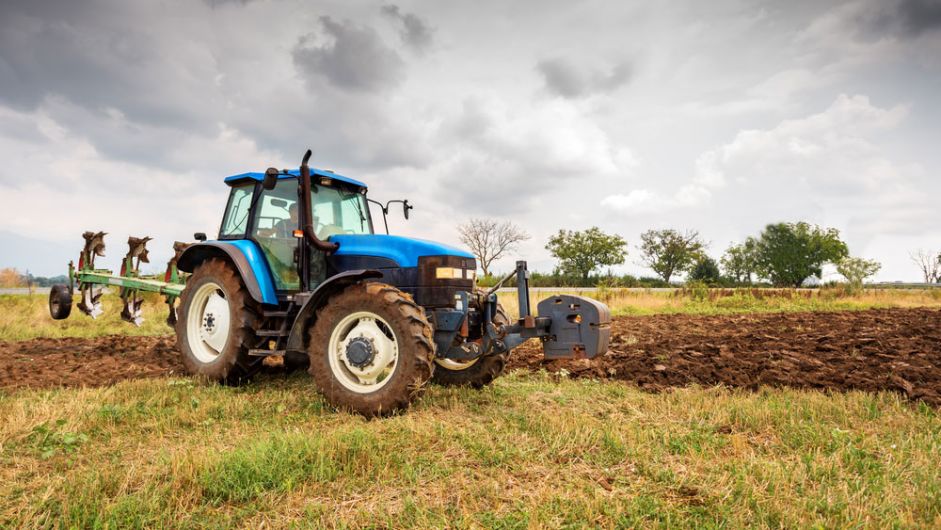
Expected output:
(718, 116)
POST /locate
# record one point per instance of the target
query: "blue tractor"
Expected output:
(297, 271)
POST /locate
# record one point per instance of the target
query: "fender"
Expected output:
(246, 257)
(297, 339)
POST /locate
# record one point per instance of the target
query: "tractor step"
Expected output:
(272, 333)
(265, 353)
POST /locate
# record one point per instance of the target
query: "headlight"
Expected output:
(449, 273)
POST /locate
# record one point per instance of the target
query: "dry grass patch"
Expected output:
(728, 301)
(532, 450)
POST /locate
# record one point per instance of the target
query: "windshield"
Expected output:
(338, 211)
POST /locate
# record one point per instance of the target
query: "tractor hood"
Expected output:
(403, 250)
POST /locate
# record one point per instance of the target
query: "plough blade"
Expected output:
(171, 275)
(91, 301)
(136, 254)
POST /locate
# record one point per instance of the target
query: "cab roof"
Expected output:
(294, 173)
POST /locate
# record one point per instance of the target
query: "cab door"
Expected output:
(273, 224)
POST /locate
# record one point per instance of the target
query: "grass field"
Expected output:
(531, 451)
(27, 317)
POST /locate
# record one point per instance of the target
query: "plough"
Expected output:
(90, 281)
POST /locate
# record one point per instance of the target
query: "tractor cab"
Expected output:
(269, 216)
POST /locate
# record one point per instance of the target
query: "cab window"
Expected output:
(338, 211)
(236, 214)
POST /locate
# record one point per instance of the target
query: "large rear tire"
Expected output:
(371, 349)
(216, 324)
(477, 373)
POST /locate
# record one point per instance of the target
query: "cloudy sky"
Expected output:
(719, 116)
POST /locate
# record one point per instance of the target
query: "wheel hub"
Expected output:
(360, 352)
(363, 352)
(209, 322)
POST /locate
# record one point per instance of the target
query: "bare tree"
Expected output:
(489, 239)
(930, 264)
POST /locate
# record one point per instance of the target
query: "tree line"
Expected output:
(782, 255)
(11, 278)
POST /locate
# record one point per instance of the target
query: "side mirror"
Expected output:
(199, 236)
(406, 207)
(271, 179)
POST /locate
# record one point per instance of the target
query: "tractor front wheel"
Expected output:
(476, 373)
(216, 324)
(371, 349)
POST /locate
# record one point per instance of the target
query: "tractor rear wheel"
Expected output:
(216, 324)
(371, 349)
(60, 302)
(476, 373)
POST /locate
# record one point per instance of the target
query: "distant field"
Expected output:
(731, 301)
(531, 451)
(26, 317)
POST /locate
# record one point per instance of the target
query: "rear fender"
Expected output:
(308, 312)
(247, 258)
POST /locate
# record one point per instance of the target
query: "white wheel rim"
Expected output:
(373, 334)
(207, 322)
(451, 364)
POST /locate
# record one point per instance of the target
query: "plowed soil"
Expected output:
(893, 349)
(41, 363)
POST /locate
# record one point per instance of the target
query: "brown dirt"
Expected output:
(893, 349)
(41, 363)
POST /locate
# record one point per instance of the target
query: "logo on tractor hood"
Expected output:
(403, 250)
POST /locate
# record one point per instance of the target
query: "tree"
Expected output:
(739, 261)
(857, 270)
(11, 278)
(789, 253)
(705, 270)
(929, 264)
(580, 253)
(668, 252)
(489, 239)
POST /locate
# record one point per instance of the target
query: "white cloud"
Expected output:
(825, 150)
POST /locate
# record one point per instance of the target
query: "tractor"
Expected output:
(299, 273)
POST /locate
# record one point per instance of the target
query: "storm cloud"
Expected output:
(570, 80)
(349, 56)
(414, 32)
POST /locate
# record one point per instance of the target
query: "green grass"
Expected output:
(530, 451)
(27, 317)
